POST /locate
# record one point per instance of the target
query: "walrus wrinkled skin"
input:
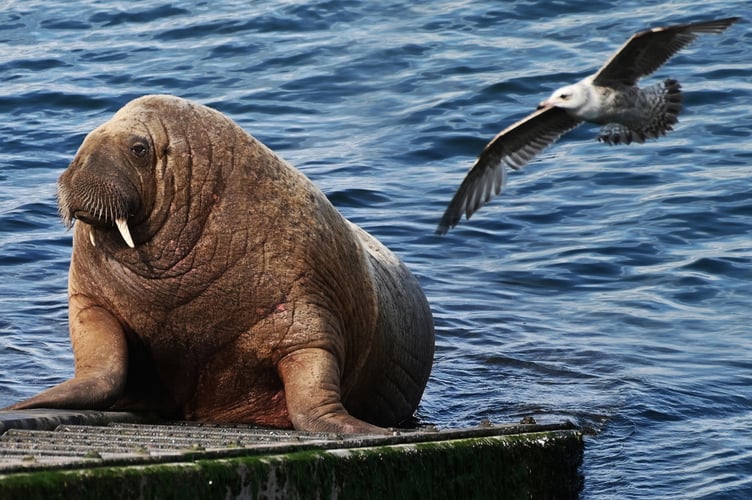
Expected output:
(212, 281)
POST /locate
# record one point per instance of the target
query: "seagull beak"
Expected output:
(544, 104)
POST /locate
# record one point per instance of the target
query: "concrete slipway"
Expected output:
(84, 454)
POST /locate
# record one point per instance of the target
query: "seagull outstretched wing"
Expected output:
(513, 147)
(647, 50)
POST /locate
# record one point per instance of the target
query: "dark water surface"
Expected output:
(610, 286)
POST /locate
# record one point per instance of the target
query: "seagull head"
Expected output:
(571, 97)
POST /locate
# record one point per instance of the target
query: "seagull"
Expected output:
(610, 97)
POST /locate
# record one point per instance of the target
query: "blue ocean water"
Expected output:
(609, 286)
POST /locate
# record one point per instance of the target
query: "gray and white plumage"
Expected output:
(610, 97)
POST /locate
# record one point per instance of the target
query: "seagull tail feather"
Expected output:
(668, 104)
(662, 104)
(672, 104)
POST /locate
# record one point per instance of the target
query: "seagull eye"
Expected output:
(564, 96)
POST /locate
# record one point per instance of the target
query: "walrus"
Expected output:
(212, 281)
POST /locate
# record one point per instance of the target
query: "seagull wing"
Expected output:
(513, 147)
(647, 50)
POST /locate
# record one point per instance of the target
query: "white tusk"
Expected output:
(91, 237)
(122, 226)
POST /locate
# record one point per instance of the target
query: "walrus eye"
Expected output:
(139, 149)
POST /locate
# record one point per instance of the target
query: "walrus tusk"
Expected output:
(122, 226)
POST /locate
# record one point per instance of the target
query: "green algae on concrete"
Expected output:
(526, 465)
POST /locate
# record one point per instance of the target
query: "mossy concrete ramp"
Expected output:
(56, 454)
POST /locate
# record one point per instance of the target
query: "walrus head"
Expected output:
(156, 174)
(103, 185)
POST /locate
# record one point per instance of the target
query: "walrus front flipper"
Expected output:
(312, 392)
(101, 357)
